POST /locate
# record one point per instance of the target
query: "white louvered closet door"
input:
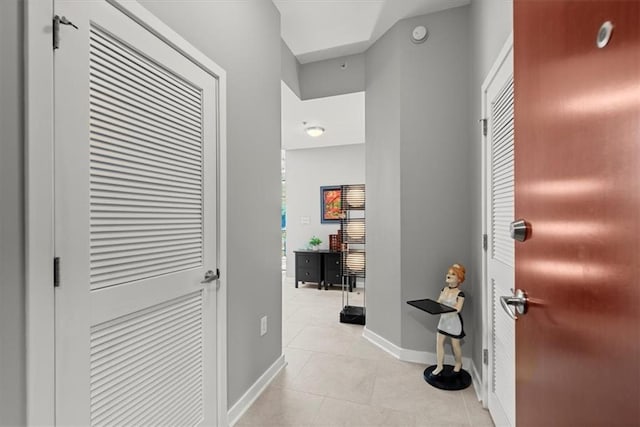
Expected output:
(501, 259)
(135, 214)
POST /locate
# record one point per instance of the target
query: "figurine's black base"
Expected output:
(447, 379)
(352, 314)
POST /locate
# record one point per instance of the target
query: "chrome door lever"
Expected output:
(519, 230)
(210, 276)
(519, 300)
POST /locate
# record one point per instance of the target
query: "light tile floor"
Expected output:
(335, 377)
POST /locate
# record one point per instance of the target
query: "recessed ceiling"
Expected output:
(316, 30)
(341, 116)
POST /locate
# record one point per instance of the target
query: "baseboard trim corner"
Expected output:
(407, 355)
(247, 399)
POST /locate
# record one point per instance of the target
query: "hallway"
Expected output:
(335, 377)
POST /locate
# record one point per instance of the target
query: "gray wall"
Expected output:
(12, 280)
(328, 78)
(435, 179)
(491, 24)
(243, 37)
(290, 69)
(418, 179)
(382, 133)
(306, 171)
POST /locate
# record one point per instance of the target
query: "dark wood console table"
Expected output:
(321, 267)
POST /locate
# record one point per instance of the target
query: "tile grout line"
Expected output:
(466, 409)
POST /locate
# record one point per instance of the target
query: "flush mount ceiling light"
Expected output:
(314, 131)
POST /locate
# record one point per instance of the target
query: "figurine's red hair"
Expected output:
(458, 270)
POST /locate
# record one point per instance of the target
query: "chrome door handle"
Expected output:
(519, 230)
(210, 276)
(519, 300)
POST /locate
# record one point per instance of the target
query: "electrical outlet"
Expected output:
(263, 325)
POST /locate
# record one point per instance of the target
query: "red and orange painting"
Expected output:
(330, 204)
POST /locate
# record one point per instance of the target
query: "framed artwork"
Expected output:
(330, 204)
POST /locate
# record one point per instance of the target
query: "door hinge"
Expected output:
(485, 356)
(485, 242)
(56, 272)
(484, 126)
(57, 20)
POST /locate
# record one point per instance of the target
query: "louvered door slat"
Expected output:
(143, 248)
(133, 388)
(121, 71)
(108, 121)
(151, 162)
(165, 80)
(132, 361)
(152, 157)
(121, 216)
(121, 117)
(503, 157)
(110, 204)
(111, 241)
(120, 164)
(129, 331)
(113, 173)
(116, 137)
(130, 124)
(141, 408)
(106, 86)
(112, 192)
(107, 102)
(499, 107)
(108, 369)
(107, 81)
(149, 258)
(502, 175)
(188, 413)
(123, 98)
(112, 183)
(140, 362)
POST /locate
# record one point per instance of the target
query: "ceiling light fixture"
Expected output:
(314, 131)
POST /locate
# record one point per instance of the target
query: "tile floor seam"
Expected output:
(337, 354)
(466, 409)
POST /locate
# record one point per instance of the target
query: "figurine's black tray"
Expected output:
(431, 306)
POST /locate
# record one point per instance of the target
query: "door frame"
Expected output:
(39, 202)
(486, 169)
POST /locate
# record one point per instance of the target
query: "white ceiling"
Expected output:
(316, 30)
(342, 117)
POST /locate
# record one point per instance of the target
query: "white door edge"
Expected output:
(39, 253)
(486, 320)
(40, 320)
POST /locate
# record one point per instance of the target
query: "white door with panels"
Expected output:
(136, 130)
(498, 99)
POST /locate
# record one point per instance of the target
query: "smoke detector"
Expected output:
(419, 34)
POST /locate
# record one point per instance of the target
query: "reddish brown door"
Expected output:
(577, 162)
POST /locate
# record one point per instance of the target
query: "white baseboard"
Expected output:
(406, 355)
(241, 406)
(477, 381)
(422, 357)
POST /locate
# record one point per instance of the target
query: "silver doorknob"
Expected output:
(519, 230)
(210, 276)
(519, 300)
